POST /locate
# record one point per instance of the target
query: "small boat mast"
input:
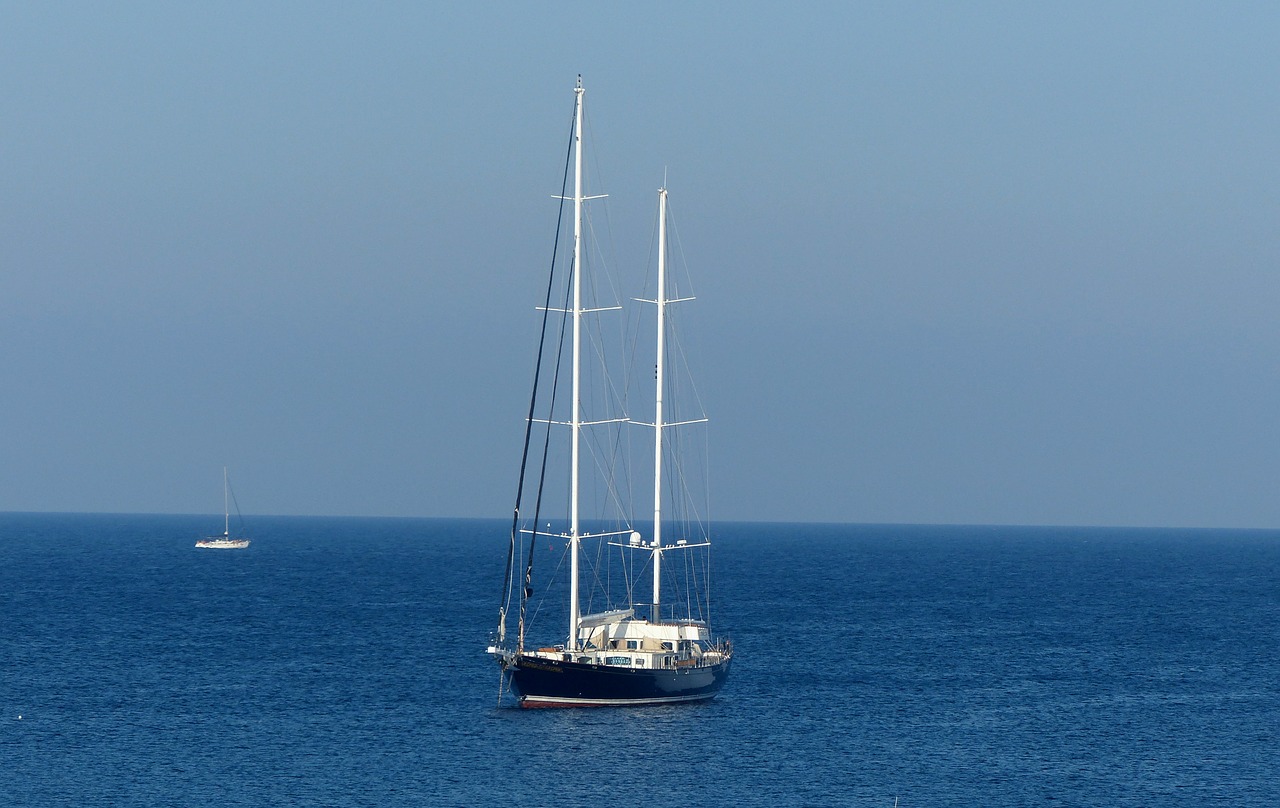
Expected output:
(226, 506)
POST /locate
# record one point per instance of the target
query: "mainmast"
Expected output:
(575, 421)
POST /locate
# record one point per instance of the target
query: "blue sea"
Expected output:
(340, 662)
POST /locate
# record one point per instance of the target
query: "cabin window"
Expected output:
(632, 645)
(666, 646)
(584, 659)
(617, 660)
(639, 662)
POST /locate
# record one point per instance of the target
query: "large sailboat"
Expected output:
(625, 644)
(226, 541)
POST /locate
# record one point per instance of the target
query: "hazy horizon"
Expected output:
(990, 264)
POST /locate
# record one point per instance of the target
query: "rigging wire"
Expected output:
(239, 518)
(527, 589)
(528, 430)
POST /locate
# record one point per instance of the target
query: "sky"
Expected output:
(980, 263)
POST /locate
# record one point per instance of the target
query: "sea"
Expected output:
(340, 662)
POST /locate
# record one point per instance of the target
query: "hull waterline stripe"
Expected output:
(555, 701)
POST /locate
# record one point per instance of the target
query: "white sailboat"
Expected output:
(225, 541)
(634, 651)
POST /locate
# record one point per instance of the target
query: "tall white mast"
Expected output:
(661, 301)
(576, 416)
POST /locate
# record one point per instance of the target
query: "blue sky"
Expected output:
(975, 263)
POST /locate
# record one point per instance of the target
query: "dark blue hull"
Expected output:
(539, 682)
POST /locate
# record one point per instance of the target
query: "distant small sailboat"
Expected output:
(225, 541)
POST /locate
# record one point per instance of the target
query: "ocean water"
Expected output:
(340, 662)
